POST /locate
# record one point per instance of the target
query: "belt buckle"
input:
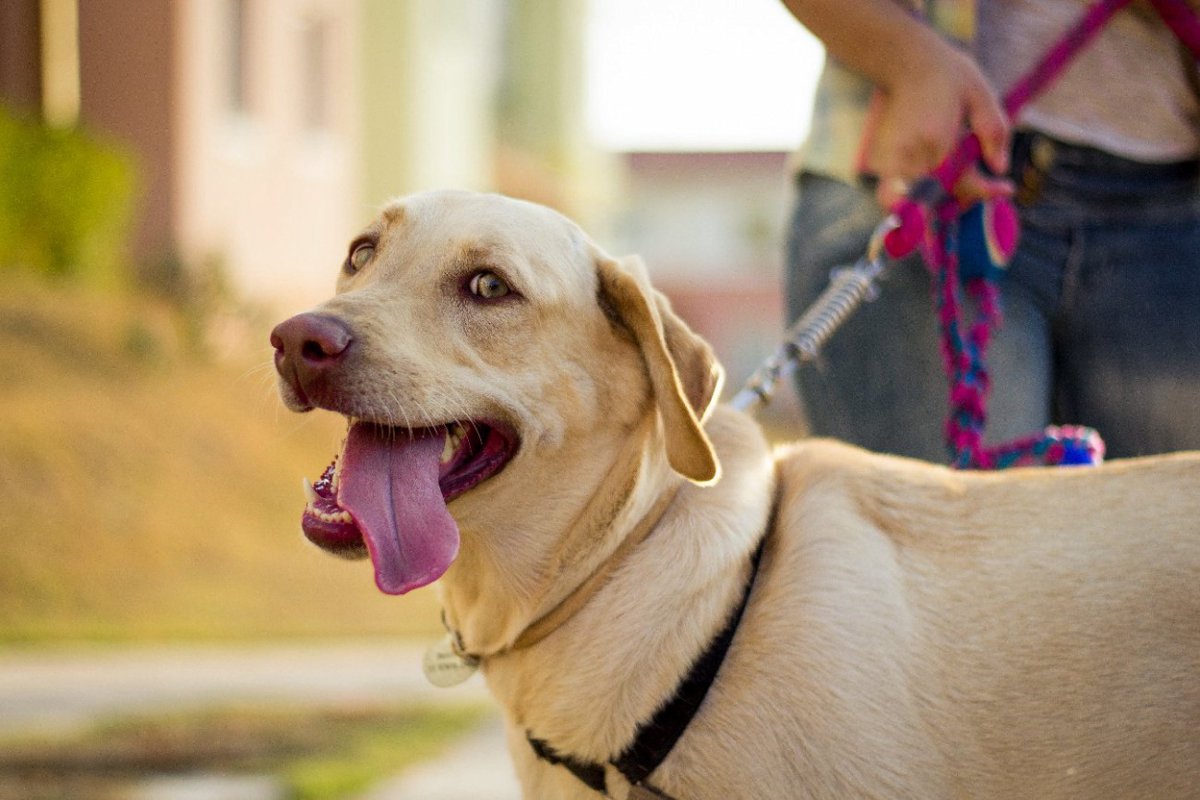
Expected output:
(1033, 172)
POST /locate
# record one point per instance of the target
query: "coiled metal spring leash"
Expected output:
(848, 288)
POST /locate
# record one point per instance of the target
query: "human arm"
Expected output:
(928, 90)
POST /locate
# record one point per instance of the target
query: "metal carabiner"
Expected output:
(848, 288)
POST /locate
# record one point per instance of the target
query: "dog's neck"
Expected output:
(517, 580)
(579, 596)
(643, 630)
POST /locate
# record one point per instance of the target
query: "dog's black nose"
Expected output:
(308, 347)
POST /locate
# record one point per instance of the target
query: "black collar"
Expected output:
(655, 738)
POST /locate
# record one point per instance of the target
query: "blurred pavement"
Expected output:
(55, 689)
(477, 768)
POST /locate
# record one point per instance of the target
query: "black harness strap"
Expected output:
(589, 772)
(654, 740)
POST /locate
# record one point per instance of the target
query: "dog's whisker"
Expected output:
(384, 412)
(464, 414)
(264, 367)
(399, 407)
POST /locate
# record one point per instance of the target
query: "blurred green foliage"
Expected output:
(66, 202)
(318, 753)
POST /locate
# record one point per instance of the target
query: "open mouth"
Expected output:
(386, 494)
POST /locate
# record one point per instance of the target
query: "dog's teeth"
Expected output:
(454, 438)
(310, 494)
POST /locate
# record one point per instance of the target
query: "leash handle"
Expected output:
(913, 211)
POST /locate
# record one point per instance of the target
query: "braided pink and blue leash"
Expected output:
(966, 250)
(974, 245)
(953, 258)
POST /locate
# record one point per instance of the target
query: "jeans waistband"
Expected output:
(1048, 169)
(1046, 153)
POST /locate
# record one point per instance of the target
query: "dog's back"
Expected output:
(1034, 633)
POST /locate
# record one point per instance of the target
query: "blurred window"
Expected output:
(314, 54)
(238, 49)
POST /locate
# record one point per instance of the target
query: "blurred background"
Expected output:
(177, 175)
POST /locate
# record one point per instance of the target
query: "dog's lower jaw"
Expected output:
(555, 546)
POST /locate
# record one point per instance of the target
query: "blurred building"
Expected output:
(710, 226)
(268, 131)
(704, 216)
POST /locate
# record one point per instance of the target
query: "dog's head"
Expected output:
(479, 345)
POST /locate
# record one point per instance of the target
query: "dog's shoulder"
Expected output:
(839, 491)
(828, 464)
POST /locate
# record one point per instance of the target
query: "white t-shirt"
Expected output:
(1132, 91)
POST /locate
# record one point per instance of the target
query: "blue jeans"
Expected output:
(1101, 311)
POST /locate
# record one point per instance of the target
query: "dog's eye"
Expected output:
(360, 255)
(488, 285)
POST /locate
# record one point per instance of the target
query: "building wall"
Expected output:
(20, 61)
(711, 216)
(340, 106)
(125, 94)
(268, 173)
(545, 153)
(429, 75)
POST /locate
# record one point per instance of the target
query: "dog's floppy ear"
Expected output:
(684, 373)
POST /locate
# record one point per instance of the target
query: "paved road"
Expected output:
(56, 689)
(477, 768)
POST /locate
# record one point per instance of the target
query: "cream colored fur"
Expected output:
(913, 632)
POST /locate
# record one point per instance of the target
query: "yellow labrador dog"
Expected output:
(664, 606)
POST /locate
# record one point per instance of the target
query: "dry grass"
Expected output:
(150, 494)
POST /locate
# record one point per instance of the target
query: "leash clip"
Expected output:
(849, 287)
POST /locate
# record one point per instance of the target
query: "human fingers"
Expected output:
(986, 118)
(975, 185)
(890, 191)
(914, 137)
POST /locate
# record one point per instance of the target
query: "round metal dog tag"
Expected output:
(445, 668)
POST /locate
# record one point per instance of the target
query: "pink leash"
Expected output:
(913, 210)
(983, 239)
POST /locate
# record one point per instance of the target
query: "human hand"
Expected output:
(920, 114)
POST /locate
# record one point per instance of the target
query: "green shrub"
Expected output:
(66, 202)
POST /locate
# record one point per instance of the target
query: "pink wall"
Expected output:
(261, 188)
(268, 190)
(126, 61)
(20, 61)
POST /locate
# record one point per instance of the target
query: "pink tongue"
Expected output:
(389, 484)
